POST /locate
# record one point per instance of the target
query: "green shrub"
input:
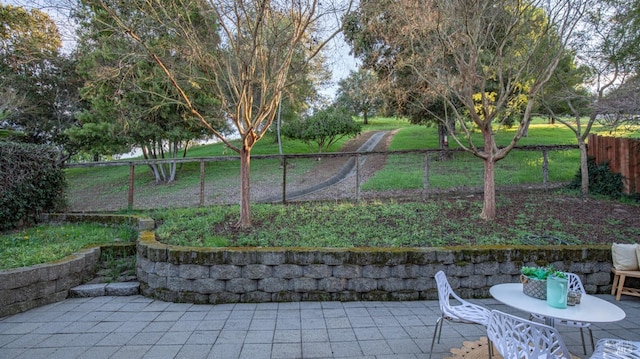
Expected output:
(32, 182)
(601, 180)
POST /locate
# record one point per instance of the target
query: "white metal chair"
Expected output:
(574, 284)
(517, 338)
(462, 312)
(616, 349)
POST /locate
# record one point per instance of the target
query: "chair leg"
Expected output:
(436, 331)
(616, 279)
(440, 331)
(490, 347)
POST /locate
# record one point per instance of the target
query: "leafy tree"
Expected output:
(130, 97)
(40, 86)
(607, 68)
(478, 58)
(359, 93)
(374, 36)
(626, 22)
(324, 127)
(248, 69)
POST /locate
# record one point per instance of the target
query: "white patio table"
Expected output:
(591, 309)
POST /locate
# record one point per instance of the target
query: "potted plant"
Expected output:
(534, 280)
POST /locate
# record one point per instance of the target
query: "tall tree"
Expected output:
(359, 92)
(40, 86)
(603, 87)
(626, 22)
(484, 57)
(131, 98)
(249, 70)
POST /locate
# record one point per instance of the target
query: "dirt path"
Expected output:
(339, 169)
(346, 188)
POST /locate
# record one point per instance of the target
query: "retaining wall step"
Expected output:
(101, 289)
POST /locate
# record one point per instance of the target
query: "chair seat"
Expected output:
(469, 313)
(616, 349)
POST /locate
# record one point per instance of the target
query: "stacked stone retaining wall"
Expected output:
(25, 288)
(231, 275)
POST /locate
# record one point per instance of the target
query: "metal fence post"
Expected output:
(545, 166)
(425, 179)
(284, 179)
(358, 178)
(201, 182)
(132, 171)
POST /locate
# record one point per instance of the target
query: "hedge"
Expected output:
(32, 181)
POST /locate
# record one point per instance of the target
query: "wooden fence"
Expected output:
(623, 156)
(93, 194)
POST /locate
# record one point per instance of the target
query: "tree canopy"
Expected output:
(246, 70)
(483, 60)
(360, 94)
(324, 127)
(132, 99)
(39, 95)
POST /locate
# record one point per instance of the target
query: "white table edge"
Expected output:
(591, 308)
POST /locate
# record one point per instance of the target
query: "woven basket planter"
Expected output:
(534, 287)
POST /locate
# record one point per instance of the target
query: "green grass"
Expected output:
(465, 170)
(388, 224)
(110, 184)
(51, 242)
(437, 222)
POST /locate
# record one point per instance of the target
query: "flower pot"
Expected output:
(534, 287)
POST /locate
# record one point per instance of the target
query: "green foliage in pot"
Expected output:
(542, 273)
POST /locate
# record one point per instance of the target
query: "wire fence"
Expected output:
(354, 176)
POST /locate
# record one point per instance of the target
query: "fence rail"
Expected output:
(291, 177)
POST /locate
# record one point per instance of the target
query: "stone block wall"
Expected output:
(232, 275)
(25, 288)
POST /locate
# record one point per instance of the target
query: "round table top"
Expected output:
(591, 309)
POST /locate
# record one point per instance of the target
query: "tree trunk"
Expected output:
(443, 143)
(245, 187)
(584, 167)
(365, 116)
(489, 207)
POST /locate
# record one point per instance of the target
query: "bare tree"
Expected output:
(602, 66)
(248, 70)
(487, 60)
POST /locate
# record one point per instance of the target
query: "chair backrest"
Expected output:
(518, 338)
(575, 283)
(461, 311)
(444, 291)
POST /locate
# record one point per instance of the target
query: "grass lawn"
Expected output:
(51, 242)
(523, 218)
(528, 219)
(401, 172)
